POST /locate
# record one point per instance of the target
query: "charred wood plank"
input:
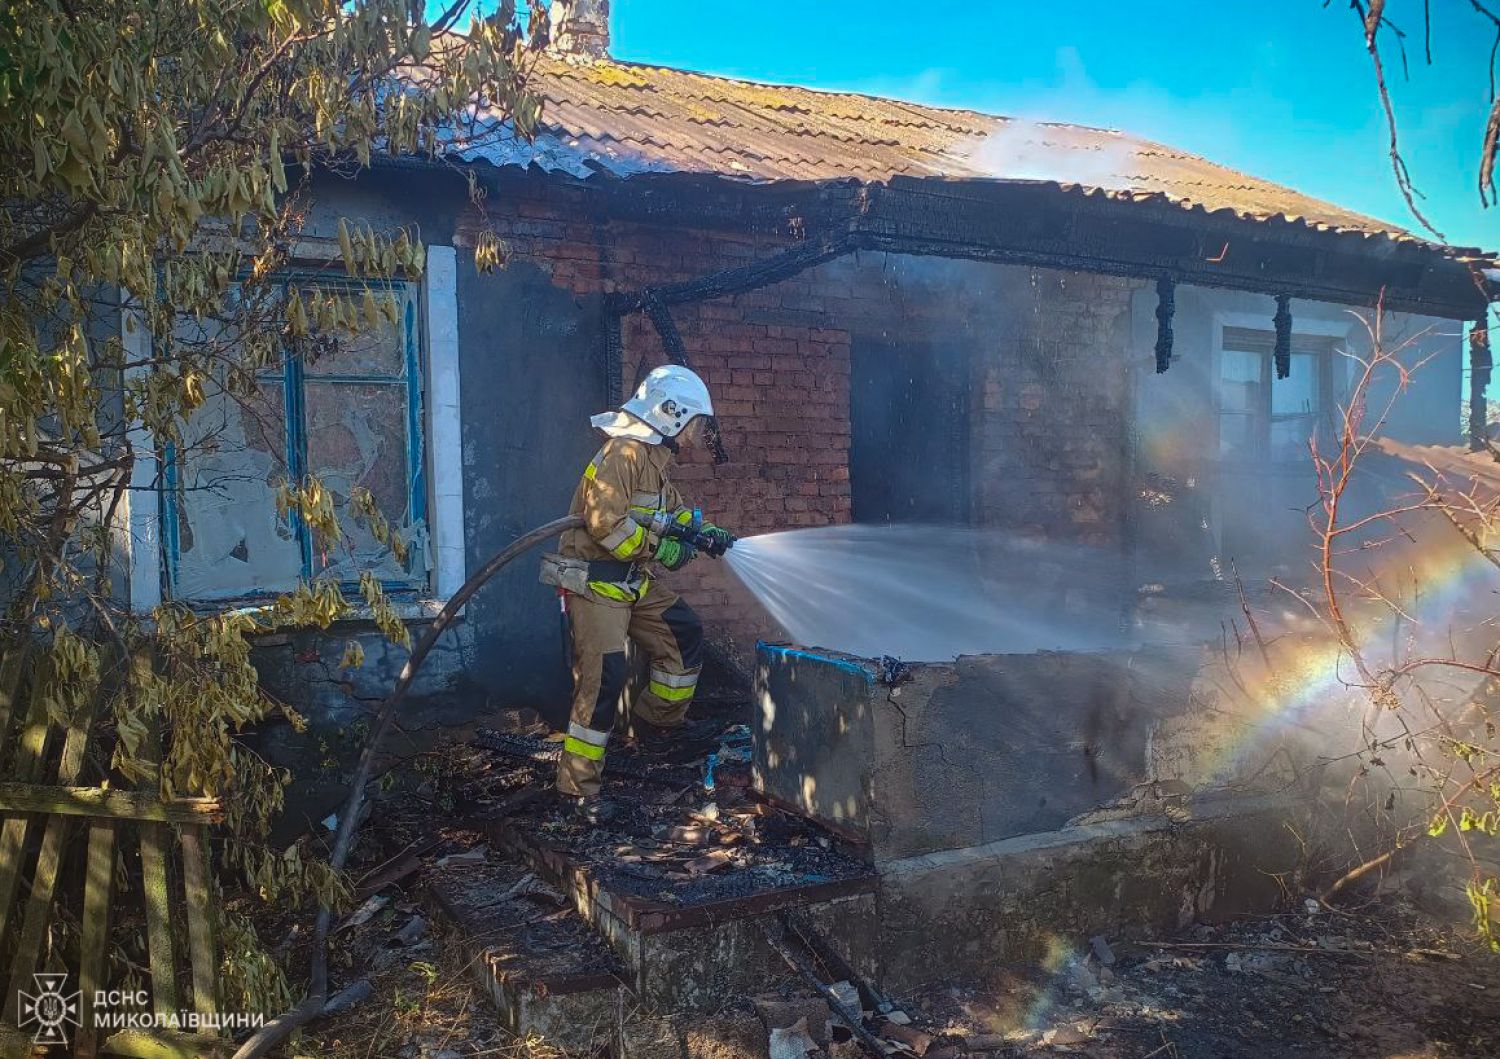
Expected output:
(776, 938)
(1481, 364)
(741, 278)
(1283, 322)
(1166, 306)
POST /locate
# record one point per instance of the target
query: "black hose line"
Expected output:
(282, 1026)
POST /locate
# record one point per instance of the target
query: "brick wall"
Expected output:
(777, 371)
(1049, 400)
(1052, 434)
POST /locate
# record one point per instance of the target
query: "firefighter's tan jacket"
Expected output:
(624, 485)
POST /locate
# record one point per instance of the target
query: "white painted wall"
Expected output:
(444, 423)
(141, 514)
(1253, 512)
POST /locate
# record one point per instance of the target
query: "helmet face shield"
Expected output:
(697, 428)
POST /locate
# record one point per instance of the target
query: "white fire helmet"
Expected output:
(668, 399)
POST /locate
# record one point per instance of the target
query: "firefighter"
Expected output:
(634, 520)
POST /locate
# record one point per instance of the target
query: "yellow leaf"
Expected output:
(278, 171)
(346, 246)
(73, 132)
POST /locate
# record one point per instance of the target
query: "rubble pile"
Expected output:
(685, 833)
(455, 901)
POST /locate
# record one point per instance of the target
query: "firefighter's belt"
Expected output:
(613, 570)
(576, 575)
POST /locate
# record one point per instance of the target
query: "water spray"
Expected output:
(925, 593)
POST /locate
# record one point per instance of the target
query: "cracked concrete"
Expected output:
(1013, 804)
(974, 751)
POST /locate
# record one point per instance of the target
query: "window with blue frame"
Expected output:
(346, 409)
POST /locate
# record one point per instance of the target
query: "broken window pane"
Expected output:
(1297, 393)
(350, 399)
(1289, 438)
(1239, 386)
(230, 540)
(356, 436)
(374, 352)
(1237, 436)
(1261, 417)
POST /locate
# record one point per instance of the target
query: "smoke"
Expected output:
(1027, 150)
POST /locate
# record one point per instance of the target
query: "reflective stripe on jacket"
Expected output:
(622, 487)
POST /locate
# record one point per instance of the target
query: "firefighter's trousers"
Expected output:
(662, 626)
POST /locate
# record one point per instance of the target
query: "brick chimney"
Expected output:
(580, 27)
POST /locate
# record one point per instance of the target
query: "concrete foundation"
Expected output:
(1014, 805)
(989, 747)
(963, 915)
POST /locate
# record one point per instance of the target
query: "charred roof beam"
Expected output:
(1166, 306)
(1282, 322)
(1481, 365)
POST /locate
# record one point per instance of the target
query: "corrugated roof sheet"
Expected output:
(627, 119)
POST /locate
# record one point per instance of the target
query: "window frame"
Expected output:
(1313, 337)
(293, 378)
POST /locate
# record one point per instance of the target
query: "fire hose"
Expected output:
(283, 1025)
(276, 1031)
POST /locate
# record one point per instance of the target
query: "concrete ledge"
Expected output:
(966, 914)
(1201, 810)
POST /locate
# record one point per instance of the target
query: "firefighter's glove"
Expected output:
(715, 541)
(674, 554)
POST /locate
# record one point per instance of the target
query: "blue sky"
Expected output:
(1279, 88)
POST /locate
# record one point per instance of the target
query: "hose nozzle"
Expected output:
(713, 541)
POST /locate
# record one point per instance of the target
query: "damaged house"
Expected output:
(905, 314)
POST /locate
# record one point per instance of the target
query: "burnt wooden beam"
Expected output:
(798, 258)
(1117, 238)
(1283, 323)
(666, 327)
(1041, 227)
(922, 224)
(1481, 364)
(1166, 305)
(671, 341)
(1046, 226)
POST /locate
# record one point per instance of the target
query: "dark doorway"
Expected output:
(909, 414)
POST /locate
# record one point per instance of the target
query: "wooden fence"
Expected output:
(60, 842)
